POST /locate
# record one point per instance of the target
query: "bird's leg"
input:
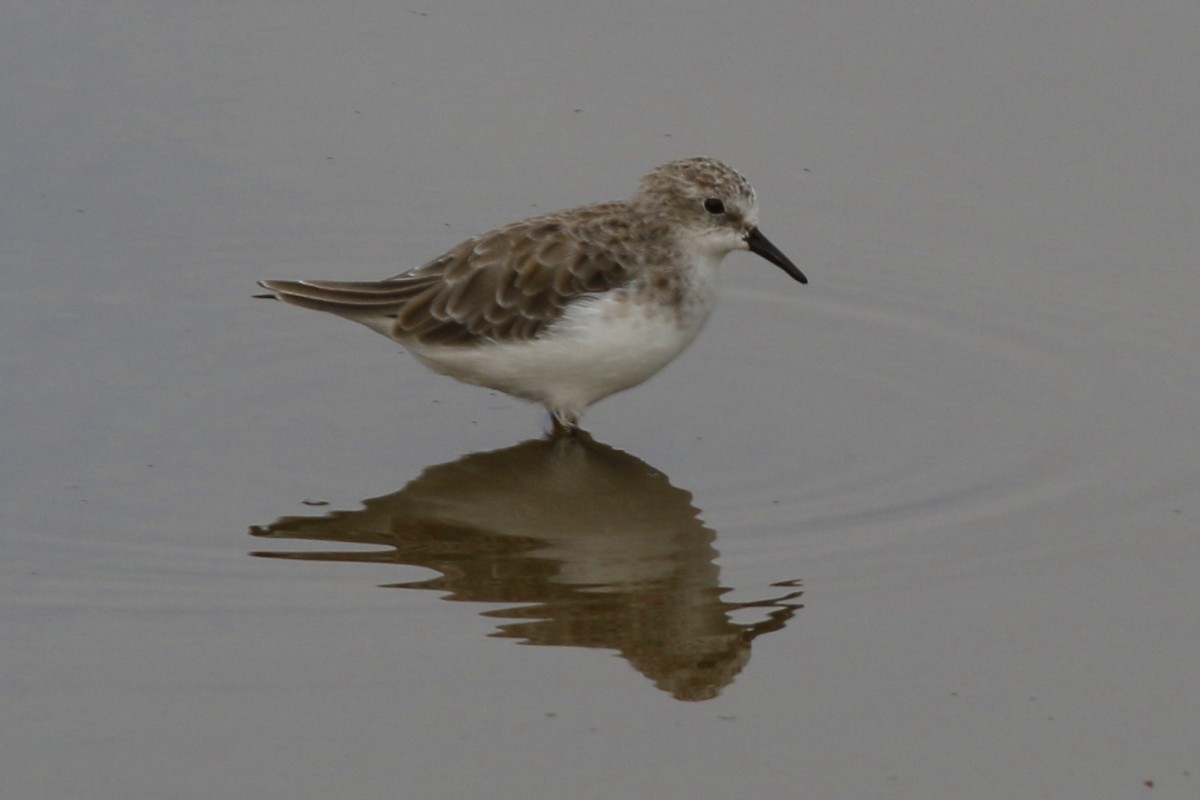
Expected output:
(564, 424)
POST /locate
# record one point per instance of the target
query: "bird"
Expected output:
(567, 308)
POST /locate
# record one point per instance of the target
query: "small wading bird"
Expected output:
(567, 308)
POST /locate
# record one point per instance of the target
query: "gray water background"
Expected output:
(972, 442)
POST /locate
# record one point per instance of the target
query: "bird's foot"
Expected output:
(564, 425)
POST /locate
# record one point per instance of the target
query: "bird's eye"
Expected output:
(714, 206)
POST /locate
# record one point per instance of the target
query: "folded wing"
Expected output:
(506, 285)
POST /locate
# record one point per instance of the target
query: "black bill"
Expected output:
(762, 246)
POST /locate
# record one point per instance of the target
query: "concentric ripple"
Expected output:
(944, 409)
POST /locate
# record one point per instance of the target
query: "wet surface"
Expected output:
(590, 546)
(926, 527)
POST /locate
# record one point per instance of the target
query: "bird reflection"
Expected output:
(588, 545)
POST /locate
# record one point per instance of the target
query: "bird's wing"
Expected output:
(505, 285)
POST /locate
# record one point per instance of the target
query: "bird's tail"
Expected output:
(345, 298)
(375, 304)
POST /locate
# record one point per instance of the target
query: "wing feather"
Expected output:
(505, 285)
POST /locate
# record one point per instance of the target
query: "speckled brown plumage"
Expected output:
(650, 258)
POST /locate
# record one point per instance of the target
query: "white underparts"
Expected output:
(601, 345)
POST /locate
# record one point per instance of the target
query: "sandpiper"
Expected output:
(567, 308)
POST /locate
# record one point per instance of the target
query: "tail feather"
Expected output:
(374, 304)
(350, 296)
(398, 309)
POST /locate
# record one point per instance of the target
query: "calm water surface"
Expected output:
(927, 527)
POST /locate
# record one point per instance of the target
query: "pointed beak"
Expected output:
(762, 246)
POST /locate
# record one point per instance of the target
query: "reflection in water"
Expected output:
(591, 546)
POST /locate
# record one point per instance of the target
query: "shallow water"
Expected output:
(591, 546)
(926, 527)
